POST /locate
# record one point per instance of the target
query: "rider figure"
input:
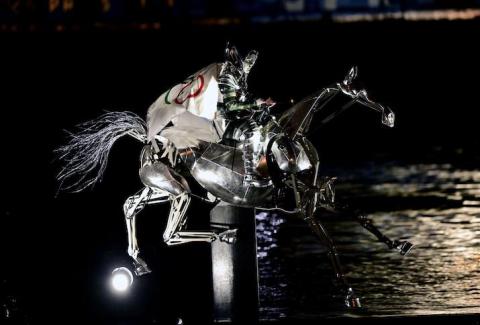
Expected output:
(239, 105)
(201, 108)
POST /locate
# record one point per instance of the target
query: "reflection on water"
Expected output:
(437, 207)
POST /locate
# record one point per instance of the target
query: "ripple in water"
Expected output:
(435, 206)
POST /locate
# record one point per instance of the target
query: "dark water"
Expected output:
(435, 206)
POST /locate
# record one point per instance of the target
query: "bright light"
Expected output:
(122, 279)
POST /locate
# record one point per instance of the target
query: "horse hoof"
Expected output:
(405, 247)
(140, 267)
(229, 236)
(351, 300)
(142, 270)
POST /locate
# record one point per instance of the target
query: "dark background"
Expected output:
(58, 251)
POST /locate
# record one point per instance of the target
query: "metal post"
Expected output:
(234, 267)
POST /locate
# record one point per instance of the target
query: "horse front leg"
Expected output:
(351, 300)
(308, 206)
(402, 246)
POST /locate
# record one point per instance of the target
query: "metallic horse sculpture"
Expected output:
(275, 150)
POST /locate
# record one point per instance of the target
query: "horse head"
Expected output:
(360, 96)
(291, 155)
(297, 120)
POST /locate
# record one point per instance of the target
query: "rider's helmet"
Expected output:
(238, 68)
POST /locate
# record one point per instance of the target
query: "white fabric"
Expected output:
(188, 129)
(191, 106)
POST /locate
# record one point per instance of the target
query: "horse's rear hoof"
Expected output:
(141, 270)
(228, 236)
(140, 267)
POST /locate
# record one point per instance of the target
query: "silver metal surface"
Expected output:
(256, 164)
(220, 170)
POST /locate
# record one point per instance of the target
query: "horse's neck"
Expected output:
(297, 119)
(294, 120)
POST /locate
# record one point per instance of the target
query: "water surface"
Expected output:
(435, 206)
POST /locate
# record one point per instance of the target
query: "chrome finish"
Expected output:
(360, 96)
(160, 176)
(264, 160)
(220, 170)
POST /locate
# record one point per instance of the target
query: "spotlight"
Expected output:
(122, 279)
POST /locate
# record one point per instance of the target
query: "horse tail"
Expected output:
(85, 156)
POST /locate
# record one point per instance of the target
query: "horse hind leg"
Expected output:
(174, 234)
(133, 205)
(162, 177)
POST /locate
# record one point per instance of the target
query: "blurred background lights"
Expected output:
(121, 279)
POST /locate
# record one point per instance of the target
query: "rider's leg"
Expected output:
(251, 153)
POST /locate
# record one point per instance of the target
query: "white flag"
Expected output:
(194, 100)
